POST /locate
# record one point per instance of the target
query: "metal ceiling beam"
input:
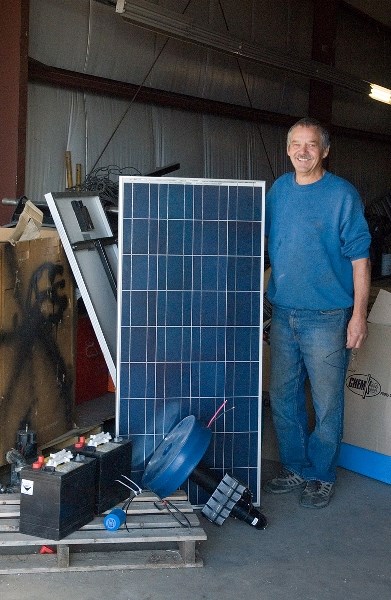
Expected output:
(174, 25)
(108, 87)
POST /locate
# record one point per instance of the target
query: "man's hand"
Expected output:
(357, 332)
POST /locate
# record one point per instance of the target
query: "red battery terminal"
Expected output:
(81, 442)
(39, 463)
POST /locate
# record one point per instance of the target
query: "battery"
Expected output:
(57, 500)
(113, 459)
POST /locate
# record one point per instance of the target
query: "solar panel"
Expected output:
(91, 250)
(189, 335)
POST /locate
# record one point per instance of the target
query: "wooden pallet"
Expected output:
(154, 540)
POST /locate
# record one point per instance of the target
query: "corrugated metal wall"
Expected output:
(85, 36)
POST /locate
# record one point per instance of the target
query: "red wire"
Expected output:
(216, 413)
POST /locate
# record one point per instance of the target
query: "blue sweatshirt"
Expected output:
(314, 231)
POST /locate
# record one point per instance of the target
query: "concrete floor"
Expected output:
(342, 552)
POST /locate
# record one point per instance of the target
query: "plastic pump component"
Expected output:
(176, 457)
(179, 457)
(229, 497)
(114, 519)
(223, 499)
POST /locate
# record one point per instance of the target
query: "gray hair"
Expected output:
(309, 122)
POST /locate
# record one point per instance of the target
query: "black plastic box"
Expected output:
(113, 459)
(54, 502)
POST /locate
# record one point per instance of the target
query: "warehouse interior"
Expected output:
(101, 95)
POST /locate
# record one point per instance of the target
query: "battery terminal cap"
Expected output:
(59, 458)
(98, 439)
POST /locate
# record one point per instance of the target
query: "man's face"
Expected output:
(306, 153)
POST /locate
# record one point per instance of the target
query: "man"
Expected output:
(318, 243)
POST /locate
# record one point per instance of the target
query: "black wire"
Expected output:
(249, 98)
(99, 180)
(135, 95)
(125, 507)
(172, 509)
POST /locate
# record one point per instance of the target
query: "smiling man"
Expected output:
(318, 243)
(307, 148)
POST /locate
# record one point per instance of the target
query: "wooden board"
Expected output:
(153, 538)
(37, 325)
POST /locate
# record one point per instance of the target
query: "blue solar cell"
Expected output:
(175, 232)
(125, 345)
(244, 238)
(151, 346)
(140, 201)
(209, 272)
(242, 343)
(173, 344)
(137, 380)
(246, 205)
(241, 415)
(208, 343)
(138, 345)
(139, 236)
(210, 238)
(196, 238)
(209, 308)
(162, 200)
(137, 314)
(210, 202)
(173, 380)
(137, 280)
(233, 203)
(197, 202)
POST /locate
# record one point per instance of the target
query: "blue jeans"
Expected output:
(308, 343)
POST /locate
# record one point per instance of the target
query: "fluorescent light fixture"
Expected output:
(380, 93)
(178, 26)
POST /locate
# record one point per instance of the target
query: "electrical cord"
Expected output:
(164, 504)
(134, 491)
(135, 95)
(174, 512)
(249, 98)
(104, 182)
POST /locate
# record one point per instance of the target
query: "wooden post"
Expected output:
(14, 24)
(63, 556)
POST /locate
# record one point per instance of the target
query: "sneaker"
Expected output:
(285, 482)
(317, 494)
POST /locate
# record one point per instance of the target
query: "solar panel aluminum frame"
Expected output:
(134, 182)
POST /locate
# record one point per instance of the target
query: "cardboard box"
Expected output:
(366, 446)
(36, 338)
